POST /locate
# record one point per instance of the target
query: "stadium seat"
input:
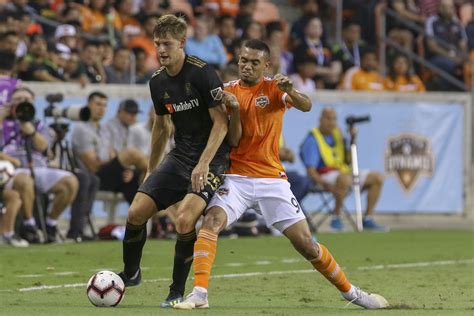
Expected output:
(111, 200)
(324, 210)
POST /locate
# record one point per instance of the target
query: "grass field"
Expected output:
(419, 272)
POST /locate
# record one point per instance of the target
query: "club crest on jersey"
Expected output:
(262, 101)
(169, 107)
(217, 93)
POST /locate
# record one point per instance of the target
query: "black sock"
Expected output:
(133, 242)
(183, 259)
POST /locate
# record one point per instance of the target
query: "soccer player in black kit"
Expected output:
(186, 92)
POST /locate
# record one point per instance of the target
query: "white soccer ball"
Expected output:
(7, 171)
(105, 289)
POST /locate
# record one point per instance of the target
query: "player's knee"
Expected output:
(184, 224)
(215, 220)
(136, 216)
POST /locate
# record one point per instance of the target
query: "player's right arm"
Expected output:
(160, 134)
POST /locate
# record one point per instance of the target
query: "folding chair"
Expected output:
(325, 209)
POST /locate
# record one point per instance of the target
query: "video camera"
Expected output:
(352, 120)
(73, 113)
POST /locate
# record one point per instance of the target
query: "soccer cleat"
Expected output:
(133, 281)
(15, 241)
(370, 224)
(172, 299)
(30, 234)
(364, 299)
(51, 234)
(336, 224)
(196, 299)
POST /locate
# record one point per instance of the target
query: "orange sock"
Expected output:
(204, 254)
(327, 266)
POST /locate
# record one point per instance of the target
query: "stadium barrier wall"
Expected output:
(422, 143)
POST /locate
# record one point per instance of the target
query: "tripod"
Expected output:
(66, 161)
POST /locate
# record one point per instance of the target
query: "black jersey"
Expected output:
(187, 97)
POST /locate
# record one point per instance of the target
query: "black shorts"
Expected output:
(171, 181)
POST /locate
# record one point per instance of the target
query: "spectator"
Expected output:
(16, 6)
(303, 78)
(62, 184)
(227, 33)
(145, 41)
(326, 158)
(470, 32)
(365, 78)
(428, 7)
(253, 30)
(94, 152)
(276, 39)
(222, 7)
(347, 53)
(142, 75)
(451, 55)
(309, 9)
(230, 73)
(98, 16)
(19, 22)
(38, 66)
(91, 63)
(401, 78)
(119, 70)
(246, 11)
(66, 34)
(130, 25)
(9, 41)
(398, 31)
(73, 71)
(206, 46)
(7, 83)
(327, 72)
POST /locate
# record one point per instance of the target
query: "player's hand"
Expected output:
(127, 175)
(283, 83)
(199, 176)
(230, 100)
(27, 128)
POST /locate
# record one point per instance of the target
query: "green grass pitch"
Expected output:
(419, 272)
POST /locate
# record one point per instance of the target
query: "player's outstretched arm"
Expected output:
(218, 132)
(235, 126)
(300, 100)
(160, 135)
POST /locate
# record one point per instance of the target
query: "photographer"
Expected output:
(327, 161)
(93, 148)
(27, 140)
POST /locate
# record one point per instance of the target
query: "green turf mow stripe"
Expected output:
(251, 274)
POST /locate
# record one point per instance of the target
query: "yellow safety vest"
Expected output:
(333, 157)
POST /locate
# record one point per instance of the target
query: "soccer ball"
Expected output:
(7, 171)
(105, 289)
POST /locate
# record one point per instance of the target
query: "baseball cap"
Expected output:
(64, 30)
(130, 106)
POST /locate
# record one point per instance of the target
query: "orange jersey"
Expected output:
(401, 84)
(261, 112)
(357, 79)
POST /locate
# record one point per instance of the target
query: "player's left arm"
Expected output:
(217, 135)
(299, 100)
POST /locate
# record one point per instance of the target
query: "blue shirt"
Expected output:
(211, 50)
(309, 151)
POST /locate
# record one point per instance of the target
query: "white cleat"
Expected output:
(196, 299)
(364, 299)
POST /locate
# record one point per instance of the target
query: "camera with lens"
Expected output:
(24, 112)
(352, 120)
(73, 113)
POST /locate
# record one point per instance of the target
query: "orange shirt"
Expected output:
(261, 113)
(401, 84)
(95, 21)
(357, 79)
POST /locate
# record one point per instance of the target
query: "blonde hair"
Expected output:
(172, 25)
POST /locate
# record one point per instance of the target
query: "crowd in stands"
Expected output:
(111, 41)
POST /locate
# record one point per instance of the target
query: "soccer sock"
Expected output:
(327, 266)
(133, 242)
(204, 254)
(183, 259)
